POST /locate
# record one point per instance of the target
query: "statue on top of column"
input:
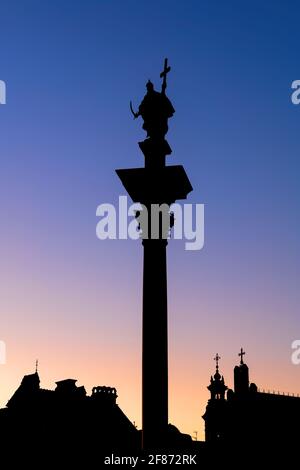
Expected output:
(156, 108)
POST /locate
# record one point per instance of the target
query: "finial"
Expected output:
(217, 358)
(36, 366)
(242, 353)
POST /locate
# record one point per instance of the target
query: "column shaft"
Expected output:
(155, 345)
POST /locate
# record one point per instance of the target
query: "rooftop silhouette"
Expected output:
(248, 418)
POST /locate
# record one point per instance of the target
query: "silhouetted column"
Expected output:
(155, 184)
(155, 344)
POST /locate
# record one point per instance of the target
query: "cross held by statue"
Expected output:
(163, 75)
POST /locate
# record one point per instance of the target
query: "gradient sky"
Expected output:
(74, 301)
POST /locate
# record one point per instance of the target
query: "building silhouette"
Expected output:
(242, 421)
(59, 420)
(66, 419)
(248, 418)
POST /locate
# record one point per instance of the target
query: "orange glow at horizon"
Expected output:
(95, 358)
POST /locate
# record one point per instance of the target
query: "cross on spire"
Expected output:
(217, 358)
(163, 75)
(242, 353)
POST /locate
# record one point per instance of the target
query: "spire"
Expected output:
(36, 366)
(217, 385)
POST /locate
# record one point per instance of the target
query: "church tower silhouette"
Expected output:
(215, 414)
(241, 376)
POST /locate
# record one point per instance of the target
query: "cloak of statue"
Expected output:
(155, 110)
